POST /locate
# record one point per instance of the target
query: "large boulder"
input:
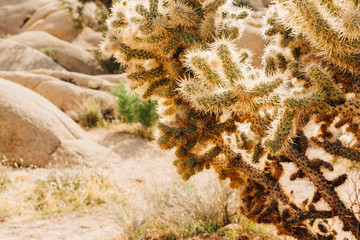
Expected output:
(18, 57)
(33, 131)
(93, 82)
(54, 19)
(63, 95)
(13, 14)
(66, 96)
(69, 56)
(89, 39)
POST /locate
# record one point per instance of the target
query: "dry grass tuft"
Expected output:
(30, 193)
(198, 207)
(185, 209)
(91, 115)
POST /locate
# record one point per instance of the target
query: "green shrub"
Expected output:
(132, 109)
(147, 113)
(127, 102)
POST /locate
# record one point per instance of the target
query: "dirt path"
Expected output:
(135, 158)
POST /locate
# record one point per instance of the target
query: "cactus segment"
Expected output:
(245, 122)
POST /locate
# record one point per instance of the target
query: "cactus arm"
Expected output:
(264, 89)
(146, 76)
(327, 190)
(230, 68)
(282, 132)
(336, 148)
(212, 6)
(184, 15)
(320, 34)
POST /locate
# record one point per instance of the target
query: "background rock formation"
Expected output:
(34, 132)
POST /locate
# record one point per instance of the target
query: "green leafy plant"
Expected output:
(128, 104)
(132, 109)
(300, 108)
(148, 113)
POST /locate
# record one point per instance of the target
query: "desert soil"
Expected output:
(135, 163)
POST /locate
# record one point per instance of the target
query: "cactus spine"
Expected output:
(246, 122)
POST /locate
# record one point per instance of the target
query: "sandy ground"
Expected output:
(135, 164)
(96, 224)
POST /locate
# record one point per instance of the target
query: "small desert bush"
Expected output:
(184, 209)
(91, 115)
(132, 109)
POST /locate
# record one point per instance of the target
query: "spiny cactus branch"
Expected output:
(244, 122)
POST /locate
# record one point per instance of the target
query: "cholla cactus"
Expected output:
(244, 122)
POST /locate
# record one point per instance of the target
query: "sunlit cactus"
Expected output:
(220, 112)
(331, 27)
